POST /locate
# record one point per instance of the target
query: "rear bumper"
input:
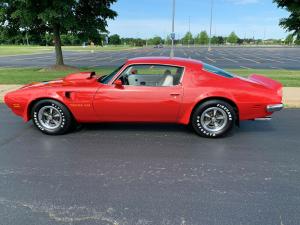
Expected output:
(274, 108)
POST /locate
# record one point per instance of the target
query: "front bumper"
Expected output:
(274, 107)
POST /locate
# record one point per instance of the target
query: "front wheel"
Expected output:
(213, 118)
(51, 117)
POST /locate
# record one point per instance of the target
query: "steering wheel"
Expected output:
(125, 80)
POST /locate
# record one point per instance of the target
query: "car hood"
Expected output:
(80, 78)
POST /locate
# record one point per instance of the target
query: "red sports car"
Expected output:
(157, 89)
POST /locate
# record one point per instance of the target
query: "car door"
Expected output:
(144, 99)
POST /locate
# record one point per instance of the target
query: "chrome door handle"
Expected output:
(174, 94)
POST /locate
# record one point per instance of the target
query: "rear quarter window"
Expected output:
(216, 70)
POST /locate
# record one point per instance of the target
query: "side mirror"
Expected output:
(118, 83)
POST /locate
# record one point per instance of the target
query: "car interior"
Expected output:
(151, 75)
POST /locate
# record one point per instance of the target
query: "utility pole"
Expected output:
(173, 30)
(211, 19)
(189, 31)
(26, 35)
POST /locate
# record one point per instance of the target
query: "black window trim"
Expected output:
(117, 76)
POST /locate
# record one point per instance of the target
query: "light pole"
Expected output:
(189, 31)
(211, 19)
(173, 30)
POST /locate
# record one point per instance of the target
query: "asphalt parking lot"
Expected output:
(225, 57)
(150, 174)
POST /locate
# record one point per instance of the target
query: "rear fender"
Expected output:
(267, 82)
(187, 112)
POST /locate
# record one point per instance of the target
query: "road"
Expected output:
(150, 174)
(225, 57)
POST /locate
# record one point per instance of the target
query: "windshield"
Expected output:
(217, 71)
(105, 79)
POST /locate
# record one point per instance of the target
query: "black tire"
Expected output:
(207, 119)
(61, 122)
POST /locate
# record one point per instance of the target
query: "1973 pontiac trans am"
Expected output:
(156, 89)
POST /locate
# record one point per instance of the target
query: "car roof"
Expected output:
(176, 61)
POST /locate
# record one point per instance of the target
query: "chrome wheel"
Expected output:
(50, 117)
(214, 119)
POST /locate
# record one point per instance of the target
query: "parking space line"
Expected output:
(251, 60)
(281, 58)
(210, 59)
(34, 58)
(277, 68)
(245, 67)
(98, 59)
(272, 60)
(229, 59)
(118, 59)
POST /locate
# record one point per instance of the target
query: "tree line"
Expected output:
(73, 22)
(47, 39)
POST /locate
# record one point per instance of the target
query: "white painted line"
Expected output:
(35, 58)
(272, 60)
(244, 67)
(118, 59)
(82, 59)
(230, 59)
(251, 60)
(277, 68)
(210, 59)
(99, 59)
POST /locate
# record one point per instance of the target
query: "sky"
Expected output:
(247, 18)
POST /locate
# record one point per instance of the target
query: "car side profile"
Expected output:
(153, 89)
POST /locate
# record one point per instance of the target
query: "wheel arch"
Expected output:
(225, 99)
(34, 101)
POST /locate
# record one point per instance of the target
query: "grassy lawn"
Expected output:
(289, 78)
(28, 75)
(97, 48)
(20, 50)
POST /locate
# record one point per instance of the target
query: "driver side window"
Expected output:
(151, 75)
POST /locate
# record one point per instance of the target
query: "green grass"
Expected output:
(29, 75)
(6, 50)
(19, 50)
(289, 78)
(97, 48)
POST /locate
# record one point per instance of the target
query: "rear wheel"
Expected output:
(213, 118)
(51, 117)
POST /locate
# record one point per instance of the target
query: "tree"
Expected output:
(232, 38)
(292, 23)
(156, 40)
(86, 18)
(139, 42)
(202, 38)
(188, 38)
(114, 40)
(289, 39)
(214, 40)
(168, 40)
(221, 40)
(297, 41)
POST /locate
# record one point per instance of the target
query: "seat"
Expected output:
(169, 81)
